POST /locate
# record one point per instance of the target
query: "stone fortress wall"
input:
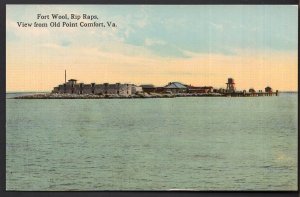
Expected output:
(71, 87)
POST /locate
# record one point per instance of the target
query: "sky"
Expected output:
(257, 45)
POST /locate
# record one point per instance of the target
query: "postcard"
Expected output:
(151, 97)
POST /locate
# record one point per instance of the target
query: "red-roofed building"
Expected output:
(199, 89)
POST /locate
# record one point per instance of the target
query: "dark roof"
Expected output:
(147, 86)
(199, 87)
(205, 87)
(175, 85)
(72, 80)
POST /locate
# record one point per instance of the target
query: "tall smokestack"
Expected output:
(65, 76)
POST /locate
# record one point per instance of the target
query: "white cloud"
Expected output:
(151, 42)
(51, 46)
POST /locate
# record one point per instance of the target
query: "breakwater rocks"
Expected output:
(114, 96)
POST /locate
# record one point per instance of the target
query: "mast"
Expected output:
(65, 76)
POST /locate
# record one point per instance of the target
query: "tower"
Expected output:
(230, 85)
(65, 84)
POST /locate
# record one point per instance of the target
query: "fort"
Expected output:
(72, 89)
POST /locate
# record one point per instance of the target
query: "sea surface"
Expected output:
(194, 143)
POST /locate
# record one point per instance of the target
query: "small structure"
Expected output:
(268, 89)
(148, 88)
(251, 90)
(221, 90)
(200, 89)
(230, 86)
(136, 89)
(72, 81)
(69, 87)
(159, 90)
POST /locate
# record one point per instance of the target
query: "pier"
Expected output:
(251, 94)
(231, 91)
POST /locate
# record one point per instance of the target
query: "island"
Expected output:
(72, 90)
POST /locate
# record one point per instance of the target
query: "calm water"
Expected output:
(152, 144)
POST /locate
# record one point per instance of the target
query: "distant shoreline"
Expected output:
(138, 95)
(112, 96)
(37, 92)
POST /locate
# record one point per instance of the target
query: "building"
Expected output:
(148, 88)
(268, 89)
(136, 89)
(200, 89)
(230, 86)
(72, 87)
(251, 90)
(175, 87)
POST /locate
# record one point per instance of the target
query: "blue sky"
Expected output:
(167, 30)
(159, 32)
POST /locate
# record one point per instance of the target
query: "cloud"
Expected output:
(51, 45)
(65, 43)
(151, 42)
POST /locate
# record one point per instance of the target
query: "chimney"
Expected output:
(65, 76)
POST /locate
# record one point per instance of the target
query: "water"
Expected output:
(152, 144)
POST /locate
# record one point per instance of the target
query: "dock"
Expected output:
(251, 94)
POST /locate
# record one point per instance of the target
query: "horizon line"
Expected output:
(45, 91)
